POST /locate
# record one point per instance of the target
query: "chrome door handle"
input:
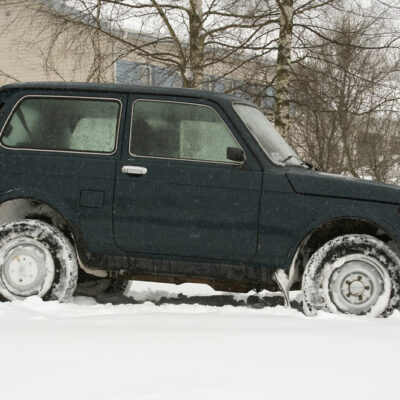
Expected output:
(133, 170)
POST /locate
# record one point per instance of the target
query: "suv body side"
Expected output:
(185, 220)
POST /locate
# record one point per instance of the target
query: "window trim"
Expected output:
(44, 96)
(184, 159)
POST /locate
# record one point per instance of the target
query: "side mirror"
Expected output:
(235, 154)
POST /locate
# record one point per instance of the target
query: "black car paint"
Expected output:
(194, 220)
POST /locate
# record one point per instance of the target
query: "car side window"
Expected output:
(179, 130)
(64, 124)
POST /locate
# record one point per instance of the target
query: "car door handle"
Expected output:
(134, 170)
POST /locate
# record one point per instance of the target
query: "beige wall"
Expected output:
(25, 40)
(28, 52)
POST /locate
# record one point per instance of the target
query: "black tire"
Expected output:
(352, 274)
(36, 259)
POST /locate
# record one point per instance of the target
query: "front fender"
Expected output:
(288, 218)
(380, 221)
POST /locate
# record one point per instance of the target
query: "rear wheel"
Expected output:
(36, 259)
(352, 274)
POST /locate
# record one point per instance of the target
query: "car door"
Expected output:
(176, 193)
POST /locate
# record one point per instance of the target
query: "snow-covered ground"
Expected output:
(85, 350)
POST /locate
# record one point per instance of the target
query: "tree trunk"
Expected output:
(194, 71)
(283, 67)
(96, 70)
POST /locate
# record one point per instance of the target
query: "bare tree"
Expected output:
(346, 99)
(285, 43)
(202, 41)
(316, 58)
(283, 66)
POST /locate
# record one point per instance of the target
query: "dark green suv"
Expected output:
(176, 185)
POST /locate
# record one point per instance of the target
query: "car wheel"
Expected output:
(36, 259)
(352, 274)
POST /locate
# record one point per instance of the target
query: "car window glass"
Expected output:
(63, 124)
(266, 134)
(179, 130)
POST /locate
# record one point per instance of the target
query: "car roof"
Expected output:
(121, 88)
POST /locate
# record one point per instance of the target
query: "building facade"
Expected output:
(35, 47)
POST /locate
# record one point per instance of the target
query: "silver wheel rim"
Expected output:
(357, 284)
(27, 269)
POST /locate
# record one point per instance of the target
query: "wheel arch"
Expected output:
(26, 205)
(325, 231)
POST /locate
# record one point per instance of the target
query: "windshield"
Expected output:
(266, 135)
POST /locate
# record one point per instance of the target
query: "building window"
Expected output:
(167, 77)
(269, 98)
(228, 85)
(143, 74)
(132, 73)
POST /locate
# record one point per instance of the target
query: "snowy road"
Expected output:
(84, 350)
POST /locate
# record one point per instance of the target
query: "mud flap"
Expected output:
(282, 280)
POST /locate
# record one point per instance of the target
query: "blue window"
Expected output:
(132, 73)
(217, 85)
(269, 98)
(163, 76)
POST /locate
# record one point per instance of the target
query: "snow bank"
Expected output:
(85, 350)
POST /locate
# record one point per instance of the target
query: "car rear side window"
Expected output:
(180, 131)
(63, 124)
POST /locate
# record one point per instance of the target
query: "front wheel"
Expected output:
(36, 259)
(352, 274)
